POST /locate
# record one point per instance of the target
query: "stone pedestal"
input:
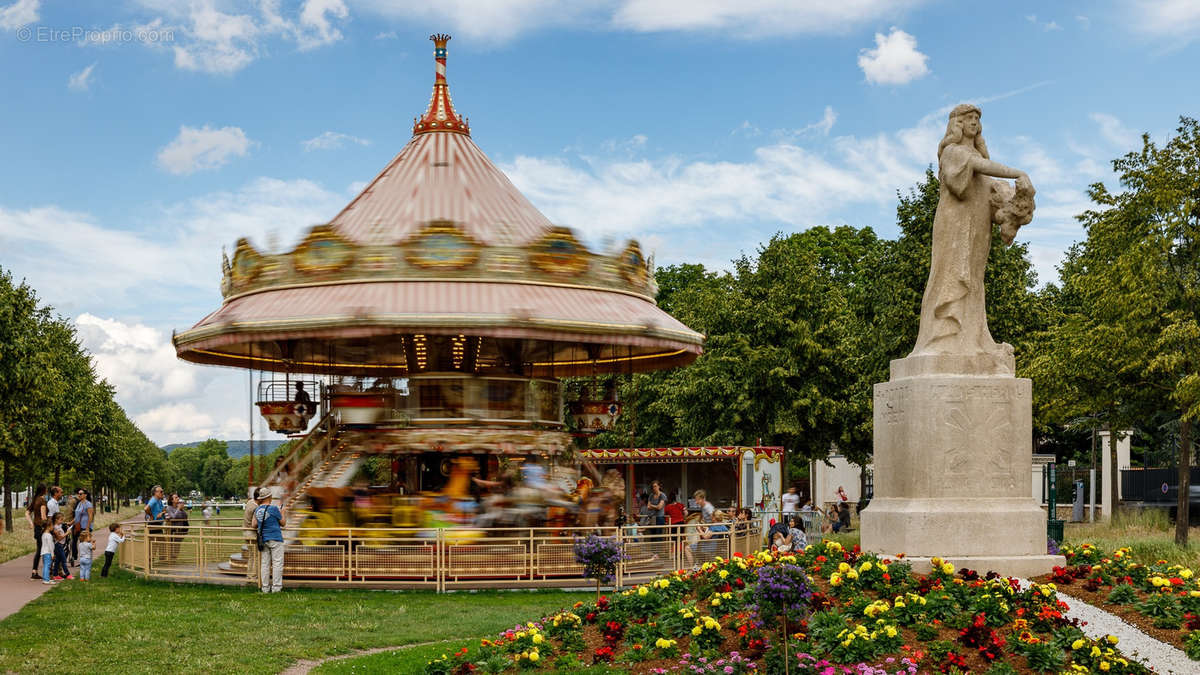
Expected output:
(953, 458)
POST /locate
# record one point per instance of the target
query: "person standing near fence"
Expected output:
(85, 513)
(248, 531)
(268, 523)
(154, 519)
(791, 501)
(36, 514)
(115, 538)
(657, 507)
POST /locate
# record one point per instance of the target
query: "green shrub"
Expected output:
(925, 632)
(1163, 609)
(1001, 668)
(1122, 594)
(1044, 657)
(1191, 645)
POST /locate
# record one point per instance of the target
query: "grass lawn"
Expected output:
(138, 626)
(19, 542)
(413, 660)
(1148, 534)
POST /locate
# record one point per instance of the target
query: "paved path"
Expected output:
(16, 588)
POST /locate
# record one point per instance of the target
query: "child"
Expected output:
(60, 571)
(780, 544)
(115, 539)
(85, 555)
(47, 547)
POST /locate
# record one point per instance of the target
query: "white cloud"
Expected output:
(1084, 22)
(1116, 133)
(752, 17)
(82, 80)
(186, 422)
(79, 263)
(503, 20)
(331, 140)
(204, 148)
(1047, 26)
(1165, 18)
(169, 399)
(821, 127)
(387, 35)
(224, 36)
(316, 28)
(894, 60)
(20, 13)
(784, 183)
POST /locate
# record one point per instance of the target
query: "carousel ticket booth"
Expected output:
(733, 477)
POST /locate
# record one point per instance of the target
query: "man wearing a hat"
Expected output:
(268, 524)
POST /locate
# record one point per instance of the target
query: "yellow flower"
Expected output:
(715, 602)
(883, 567)
(696, 630)
(537, 639)
(891, 631)
(642, 590)
(1078, 644)
(835, 579)
(866, 567)
(1095, 651)
(851, 575)
(947, 568)
(534, 656)
(723, 573)
(1112, 639)
(843, 567)
(1104, 665)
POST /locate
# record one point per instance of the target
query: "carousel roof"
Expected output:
(439, 243)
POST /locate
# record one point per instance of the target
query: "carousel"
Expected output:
(415, 347)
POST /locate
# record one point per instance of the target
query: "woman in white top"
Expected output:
(791, 501)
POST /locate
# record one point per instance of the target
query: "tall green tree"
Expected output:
(1140, 281)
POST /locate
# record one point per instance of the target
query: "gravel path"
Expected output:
(1097, 623)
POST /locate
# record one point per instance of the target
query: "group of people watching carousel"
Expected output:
(63, 537)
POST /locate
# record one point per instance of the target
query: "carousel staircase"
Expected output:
(318, 460)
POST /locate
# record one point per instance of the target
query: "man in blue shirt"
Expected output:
(84, 511)
(268, 523)
(154, 517)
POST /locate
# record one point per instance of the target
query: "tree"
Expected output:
(1140, 280)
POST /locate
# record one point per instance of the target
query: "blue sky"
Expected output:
(141, 137)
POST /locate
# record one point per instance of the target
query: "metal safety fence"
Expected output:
(438, 559)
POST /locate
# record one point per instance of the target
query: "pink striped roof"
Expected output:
(483, 308)
(441, 176)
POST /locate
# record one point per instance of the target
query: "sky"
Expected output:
(140, 138)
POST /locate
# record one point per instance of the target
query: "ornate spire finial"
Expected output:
(440, 116)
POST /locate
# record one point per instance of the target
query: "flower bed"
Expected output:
(1162, 600)
(827, 610)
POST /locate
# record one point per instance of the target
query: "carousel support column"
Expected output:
(439, 557)
(532, 552)
(411, 468)
(629, 488)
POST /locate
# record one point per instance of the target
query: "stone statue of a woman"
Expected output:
(953, 315)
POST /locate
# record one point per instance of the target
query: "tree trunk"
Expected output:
(58, 476)
(1185, 476)
(1114, 474)
(8, 525)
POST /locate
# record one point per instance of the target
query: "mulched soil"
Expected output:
(1099, 598)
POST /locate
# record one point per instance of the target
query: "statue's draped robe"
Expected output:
(953, 315)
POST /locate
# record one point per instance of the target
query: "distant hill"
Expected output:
(236, 448)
